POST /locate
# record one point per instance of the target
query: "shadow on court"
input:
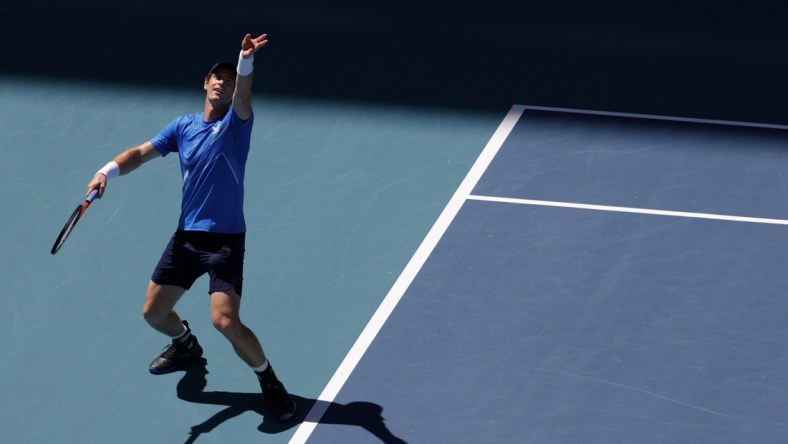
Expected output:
(191, 388)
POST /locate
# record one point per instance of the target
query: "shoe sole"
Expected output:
(181, 366)
(154, 371)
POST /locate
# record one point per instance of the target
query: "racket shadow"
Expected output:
(191, 388)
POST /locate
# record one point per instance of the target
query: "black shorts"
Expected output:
(190, 254)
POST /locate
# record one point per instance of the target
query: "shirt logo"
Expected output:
(216, 127)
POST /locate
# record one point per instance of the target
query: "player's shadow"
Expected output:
(191, 388)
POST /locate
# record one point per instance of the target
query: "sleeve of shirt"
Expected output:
(242, 125)
(167, 140)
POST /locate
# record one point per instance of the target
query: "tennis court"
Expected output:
(507, 223)
(602, 277)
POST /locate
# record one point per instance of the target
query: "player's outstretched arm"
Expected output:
(242, 100)
(123, 163)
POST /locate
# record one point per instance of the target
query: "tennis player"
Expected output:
(213, 148)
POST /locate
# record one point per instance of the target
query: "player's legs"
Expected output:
(225, 307)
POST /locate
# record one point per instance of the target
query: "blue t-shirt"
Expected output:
(213, 161)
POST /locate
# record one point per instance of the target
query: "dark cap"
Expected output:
(222, 64)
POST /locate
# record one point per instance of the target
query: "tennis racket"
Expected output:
(72, 221)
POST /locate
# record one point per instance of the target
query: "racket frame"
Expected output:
(72, 222)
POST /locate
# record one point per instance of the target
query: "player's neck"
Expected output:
(215, 112)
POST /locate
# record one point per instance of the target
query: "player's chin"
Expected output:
(220, 99)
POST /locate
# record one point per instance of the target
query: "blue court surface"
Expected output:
(415, 275)
(596, 279)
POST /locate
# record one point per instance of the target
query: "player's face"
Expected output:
(220, 86)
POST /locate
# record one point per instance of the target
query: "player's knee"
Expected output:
(151, 316)
(225, 324)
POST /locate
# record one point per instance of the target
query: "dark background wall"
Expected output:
(708, 59)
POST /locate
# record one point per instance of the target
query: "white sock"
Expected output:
(262, 368)
(183, 336)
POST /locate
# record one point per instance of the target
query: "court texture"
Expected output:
(537, 275)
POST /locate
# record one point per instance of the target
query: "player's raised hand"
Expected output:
(251, 45)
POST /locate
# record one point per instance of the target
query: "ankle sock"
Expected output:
(184, 338)
(262, 368)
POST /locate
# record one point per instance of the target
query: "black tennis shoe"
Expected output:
(176, 355)
(276, 395)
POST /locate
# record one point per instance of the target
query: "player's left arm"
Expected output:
(242, 98)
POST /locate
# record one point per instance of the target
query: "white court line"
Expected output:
(406, 278)
(547, 203)
(656, 117)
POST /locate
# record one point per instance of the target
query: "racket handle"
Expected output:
(92, 196)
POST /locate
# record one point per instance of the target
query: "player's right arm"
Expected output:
(127, 162)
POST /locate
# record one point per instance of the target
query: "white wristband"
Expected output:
(245, 66)
(110, 170)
